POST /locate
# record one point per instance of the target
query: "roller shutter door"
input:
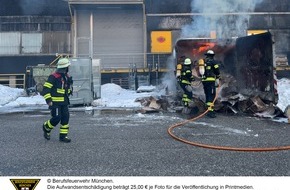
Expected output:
(118, 37)
(83, 34)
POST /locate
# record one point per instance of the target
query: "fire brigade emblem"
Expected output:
(25, 184)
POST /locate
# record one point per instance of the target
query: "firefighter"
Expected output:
(210, 77)
(56, 92)
(186, 78)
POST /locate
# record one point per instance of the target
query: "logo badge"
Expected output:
(161, 39)
(25, 184)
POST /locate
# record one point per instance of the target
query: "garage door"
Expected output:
(118, 37)
(117, 33)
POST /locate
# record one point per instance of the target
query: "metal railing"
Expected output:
(141, 61)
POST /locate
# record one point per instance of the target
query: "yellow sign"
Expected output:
(161, 42)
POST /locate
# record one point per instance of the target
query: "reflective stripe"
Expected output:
(57, 99)
(48, 85)
(209, 79)
(60, 91)
(185, 82)
(186, 100)
(47, 96)
(216, 66)
(50, 126)
(210, 106)
(64, 129)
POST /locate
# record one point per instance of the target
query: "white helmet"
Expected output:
(187, 61)
(209, 52)
(63, 63)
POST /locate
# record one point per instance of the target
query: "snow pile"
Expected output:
(8, 94)
(284, 93)
(113, 95)
(28, 101)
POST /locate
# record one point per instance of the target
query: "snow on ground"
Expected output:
(113, 96)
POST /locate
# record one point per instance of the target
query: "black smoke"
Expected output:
(33, 8)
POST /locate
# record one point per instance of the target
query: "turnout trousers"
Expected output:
(210, 93)
(187, 95)
(59, 114)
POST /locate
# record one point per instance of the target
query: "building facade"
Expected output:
(122, 34)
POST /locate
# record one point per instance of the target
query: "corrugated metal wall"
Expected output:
(16, 43)
(56, 42)
(10, 43)
(31, 42)
(118, 36)
(83, 33)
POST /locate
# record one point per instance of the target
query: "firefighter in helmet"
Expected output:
(186, 78)
(56, 92)
(209, 70)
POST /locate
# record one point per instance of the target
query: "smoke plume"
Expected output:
(228, 18)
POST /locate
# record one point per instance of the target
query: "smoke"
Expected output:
(32, 7)
(227, 18)
(43, 7)
(220, 16)
(168, 80)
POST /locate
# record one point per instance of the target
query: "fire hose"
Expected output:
(209, 146)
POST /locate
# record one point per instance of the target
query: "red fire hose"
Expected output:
(246, 149)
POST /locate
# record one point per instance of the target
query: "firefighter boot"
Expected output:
(46, 131)
(64, 138)
(211, 114)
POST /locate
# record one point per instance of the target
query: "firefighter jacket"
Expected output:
(212, 71)
(186, 75)
(57, 89)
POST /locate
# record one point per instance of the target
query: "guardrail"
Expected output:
(13, 80)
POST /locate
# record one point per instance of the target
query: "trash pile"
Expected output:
(229, 100)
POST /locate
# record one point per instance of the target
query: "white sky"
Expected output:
(112, 95)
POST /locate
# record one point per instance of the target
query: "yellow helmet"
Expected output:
(187, 61)
(63, 63)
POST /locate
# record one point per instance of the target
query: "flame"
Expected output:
(202, 47)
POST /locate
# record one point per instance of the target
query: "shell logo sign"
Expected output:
(161, 42)
(161, 39)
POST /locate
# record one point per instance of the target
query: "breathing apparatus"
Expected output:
(201, 67)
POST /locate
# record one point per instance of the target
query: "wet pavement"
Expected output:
(125, 143)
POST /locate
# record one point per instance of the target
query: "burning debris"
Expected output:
(153, 104)
(229, 100)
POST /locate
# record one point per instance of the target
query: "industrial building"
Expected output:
(125, 36)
